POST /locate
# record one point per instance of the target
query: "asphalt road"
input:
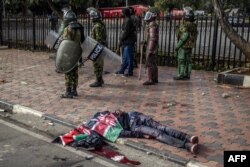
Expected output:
(18, 149)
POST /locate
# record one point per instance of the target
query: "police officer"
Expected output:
(186, 35)
(99, 34)
(152, 36)
(72, 31)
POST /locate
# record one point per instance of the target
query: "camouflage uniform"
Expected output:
(186, 35)
(152, 37)
(99, 34)
(71, 78)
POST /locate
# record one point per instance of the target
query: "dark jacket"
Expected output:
(123, 119)
(127, 121)
(128, 35)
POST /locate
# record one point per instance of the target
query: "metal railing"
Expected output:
(213, 49)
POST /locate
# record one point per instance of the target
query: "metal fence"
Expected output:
(213, 49)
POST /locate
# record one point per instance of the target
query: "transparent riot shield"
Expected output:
(92, 50)
(51, 39)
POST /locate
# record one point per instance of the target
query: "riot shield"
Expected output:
(51, 39)
(92, 50)
(68, 55)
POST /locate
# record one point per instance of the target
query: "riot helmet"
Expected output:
(151, 14)
(68, 15)
(189, 14)
(94, 13)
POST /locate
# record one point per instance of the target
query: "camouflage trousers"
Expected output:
(71, 78)
(98, 66)
(184, 62)
(152, 67)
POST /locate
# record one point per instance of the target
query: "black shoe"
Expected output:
(102, 81)
(67, 95)
(155, 80)
(187, 77)
(96, 84)
(74, 93)
(118, 72)
(179, 78)
(148, 83)
(128, 75)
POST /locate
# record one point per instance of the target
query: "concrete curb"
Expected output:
(25, 110)
(234, 79)
(4, 47)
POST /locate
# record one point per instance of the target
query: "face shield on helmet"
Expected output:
(150, 16)
(189, 14)
(93, 13)
(69, 15)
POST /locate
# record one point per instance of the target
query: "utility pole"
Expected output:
(126, 3)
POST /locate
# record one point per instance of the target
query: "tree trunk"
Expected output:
(235, 38)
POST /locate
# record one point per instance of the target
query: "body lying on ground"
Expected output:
(138, 125)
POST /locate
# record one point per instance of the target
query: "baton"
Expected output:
(121, 54)
(141, 54)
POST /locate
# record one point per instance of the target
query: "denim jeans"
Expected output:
(162, 133)
(128, 57)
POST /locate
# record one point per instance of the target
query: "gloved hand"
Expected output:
(176, 49)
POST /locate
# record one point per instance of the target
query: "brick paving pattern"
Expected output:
(196, 106)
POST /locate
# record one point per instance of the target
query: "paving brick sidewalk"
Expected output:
(195, 106)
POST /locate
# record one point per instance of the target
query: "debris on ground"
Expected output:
(225, 95)
(51, 123)
(89, 157)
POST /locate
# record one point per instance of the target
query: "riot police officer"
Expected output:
(98, 33)
(73, 31)
(186, 35)
(152, 36)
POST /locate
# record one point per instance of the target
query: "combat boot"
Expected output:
(67, 94)
(179, 78)
(102, 81)
(150, 78)
(74, 91)
(155, 75)
(97, 83)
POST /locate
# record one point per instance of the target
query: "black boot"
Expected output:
(150, 78)
(74, 91)
(67, 94)
(155, 75)
(102, 81)
(97, 83)
(179, 78)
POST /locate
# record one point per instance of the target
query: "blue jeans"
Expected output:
(128, 58)
(162, 133)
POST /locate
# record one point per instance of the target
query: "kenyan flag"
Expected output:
(107, 126)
